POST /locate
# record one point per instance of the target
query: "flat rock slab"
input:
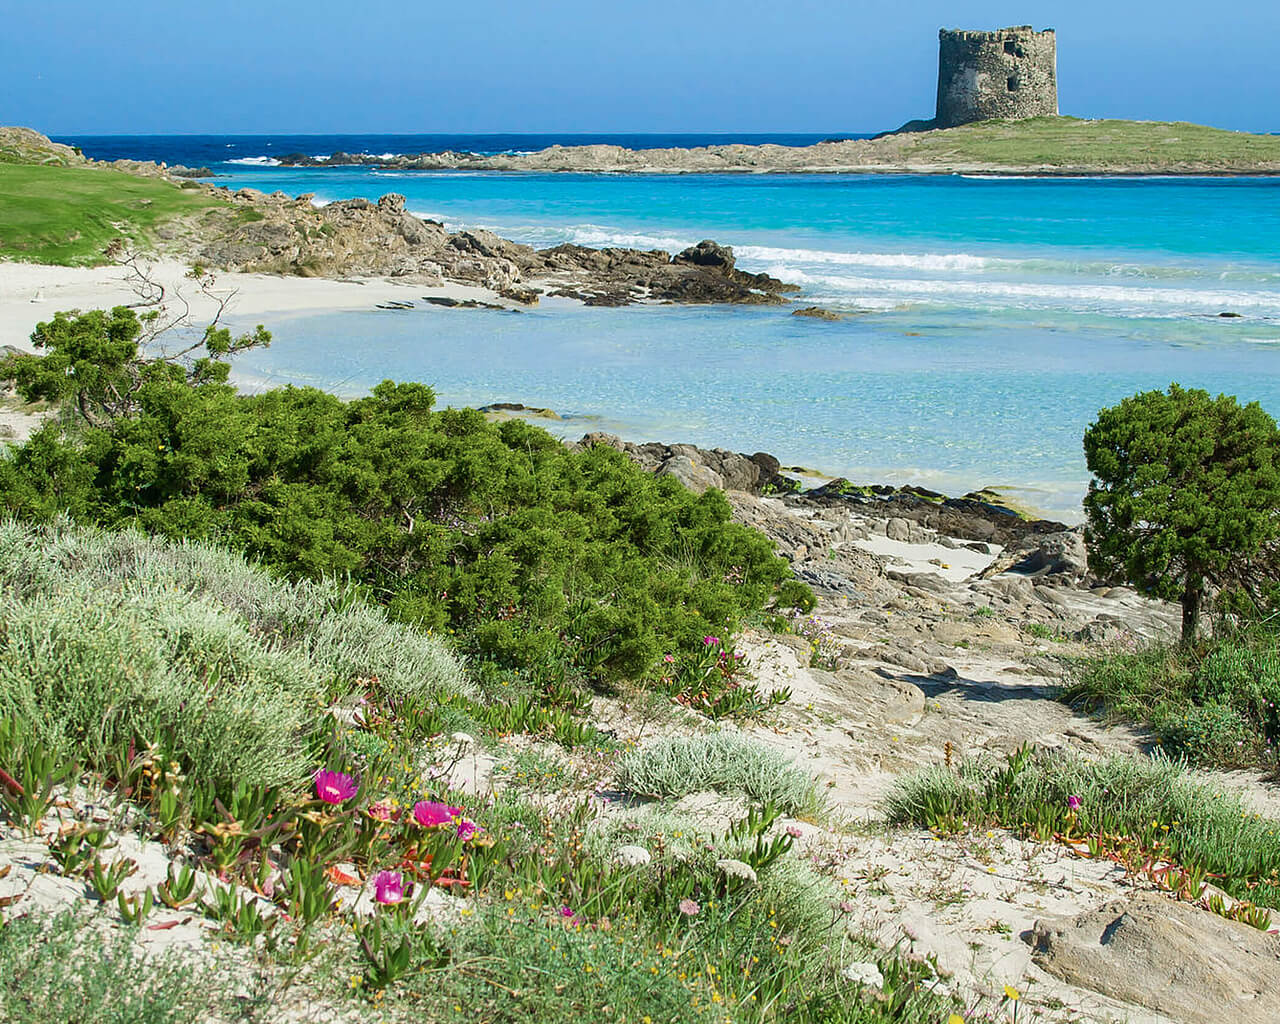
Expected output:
(1172, 957)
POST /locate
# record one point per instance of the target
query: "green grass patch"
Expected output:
(1216, 703)
(1156, 804)
(1111, 145)
(67, 215)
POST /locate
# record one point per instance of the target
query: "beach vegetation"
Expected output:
(1216, 703)
(1184, 496)
(1141, 812)
(723, 762)
(531, 555)
(69, 215)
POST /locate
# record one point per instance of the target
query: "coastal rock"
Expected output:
(1059, 559)
(708, 254)
(695, 477)
(817, 313)
(1166, 955)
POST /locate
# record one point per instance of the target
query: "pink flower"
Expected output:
(566, 911)
(381, 811)
(795, 831)
(689, 907)
(335, 787)
(389, 887)
(467, 829)
(668, 658)
(846, 907)
(710, 641)
(1073, 802)
(429, 813)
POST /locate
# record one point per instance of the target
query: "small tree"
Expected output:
(1185, 495)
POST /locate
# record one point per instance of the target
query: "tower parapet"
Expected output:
(1010, 73)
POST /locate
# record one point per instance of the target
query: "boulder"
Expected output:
(708, 254)
(1168, 956)
(1055, 558)
(697, 478)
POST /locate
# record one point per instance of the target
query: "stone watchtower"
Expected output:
(1011, 73)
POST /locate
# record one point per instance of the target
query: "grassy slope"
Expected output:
(67, 215)
(1072, 143)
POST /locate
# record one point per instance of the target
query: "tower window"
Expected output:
(1013, 85)
(1011, 47)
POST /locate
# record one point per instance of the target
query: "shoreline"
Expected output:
(33, 292)
(266, 297)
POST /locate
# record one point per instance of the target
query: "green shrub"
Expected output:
(725, 762)
(108, 639)
(1217, 703)
(527, 550)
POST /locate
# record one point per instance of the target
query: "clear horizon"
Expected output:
(663, 67)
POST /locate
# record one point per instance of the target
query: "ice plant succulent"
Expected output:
(430, 813)
(335, 787)
(467, 829)
(389, 887)
(1073, 802)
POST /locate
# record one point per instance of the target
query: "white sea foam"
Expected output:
(1150, 301)
(255, 161)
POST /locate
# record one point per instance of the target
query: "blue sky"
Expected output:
(137, 66)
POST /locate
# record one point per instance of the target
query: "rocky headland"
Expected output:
(1041, 145)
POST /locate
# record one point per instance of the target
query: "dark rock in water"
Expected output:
(517, 407)
(1231, 316)
(817, 313)
(708, 254)
(767, 464)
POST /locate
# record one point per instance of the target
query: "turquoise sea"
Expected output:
(988, 320)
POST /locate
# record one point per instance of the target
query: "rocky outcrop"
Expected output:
(1168, 956)
(696, 468)
(355, 237)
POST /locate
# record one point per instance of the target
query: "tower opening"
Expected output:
(1013, 85)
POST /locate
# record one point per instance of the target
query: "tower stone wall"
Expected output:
(1010, 73)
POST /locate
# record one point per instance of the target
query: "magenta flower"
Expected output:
(335, 787)
(710, 641)
(467, 829)
(429, 813)
(1073, 802)
(795, 831)
(389, 887)
(668, 658)
(566, 911)
(689, 907)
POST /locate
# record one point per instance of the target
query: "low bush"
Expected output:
(57, 968)
(725, 762)
(1216, 702)
(1154, 805)
(109, 640)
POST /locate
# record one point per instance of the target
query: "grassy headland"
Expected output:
(67, 215)
(1077, 145)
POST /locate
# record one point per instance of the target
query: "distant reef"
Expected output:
(1039, 145)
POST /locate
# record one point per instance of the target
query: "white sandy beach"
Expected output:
(30, 293)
